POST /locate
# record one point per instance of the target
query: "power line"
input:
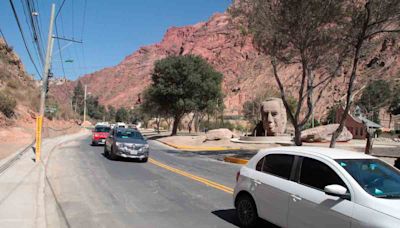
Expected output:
(4, 38)
(23, 37)
(59, 10)
(59, 51)
(35, 23)
(36, 34)
(31, 34)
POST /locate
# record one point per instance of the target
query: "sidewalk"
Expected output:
(25, 197)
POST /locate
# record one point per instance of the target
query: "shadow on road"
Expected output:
(229, 215)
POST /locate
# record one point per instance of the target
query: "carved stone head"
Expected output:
(273, 114)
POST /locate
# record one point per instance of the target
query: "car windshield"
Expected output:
(374, 176)
(102, 129)
(129, 134)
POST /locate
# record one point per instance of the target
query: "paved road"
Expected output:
(173, 189)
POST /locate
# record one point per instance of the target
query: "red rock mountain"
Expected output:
(231, 52)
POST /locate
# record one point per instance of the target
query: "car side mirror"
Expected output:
(337, 190)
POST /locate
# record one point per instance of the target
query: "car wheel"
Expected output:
(111, 154)
(246, 211)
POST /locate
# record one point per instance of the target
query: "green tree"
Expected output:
(184, 84)
(78, 98)
(110, 113)
(301, 34)
(376, 95)
(394, 106)
(122, 115)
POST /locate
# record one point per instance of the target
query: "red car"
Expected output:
(100, 133)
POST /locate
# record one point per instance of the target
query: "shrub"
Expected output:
(7, 104)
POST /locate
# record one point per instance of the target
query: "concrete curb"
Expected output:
(198, 148)
(236, 160)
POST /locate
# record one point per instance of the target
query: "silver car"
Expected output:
(126, 143)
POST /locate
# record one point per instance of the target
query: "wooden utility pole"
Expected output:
(45, 78)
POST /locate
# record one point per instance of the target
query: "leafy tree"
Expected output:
(94, 109)
(365, 22)
(78, 98)
(110, 113)
(301, 34)
(184, 84)
(7, 104)
(122, 115)
(375, 96)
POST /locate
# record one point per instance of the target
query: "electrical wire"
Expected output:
(23, 37)
(2, 35)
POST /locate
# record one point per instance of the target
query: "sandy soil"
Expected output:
(22, 133)
(201, 141)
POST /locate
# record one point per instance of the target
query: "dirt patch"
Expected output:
(200, 140)
(17, 137)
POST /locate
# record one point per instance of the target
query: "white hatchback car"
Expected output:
(317, 187)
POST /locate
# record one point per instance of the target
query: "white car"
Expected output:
(317, 187)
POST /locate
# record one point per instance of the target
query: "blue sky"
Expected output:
(112, 30)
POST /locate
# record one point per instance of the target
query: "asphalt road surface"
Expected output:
(173, 189)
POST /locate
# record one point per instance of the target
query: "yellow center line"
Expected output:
(193, 177)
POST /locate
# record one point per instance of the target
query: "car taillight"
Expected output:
(237, 176)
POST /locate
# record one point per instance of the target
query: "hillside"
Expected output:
(221, 42)
(16, 87)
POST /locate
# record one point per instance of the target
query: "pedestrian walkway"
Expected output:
(25, 199)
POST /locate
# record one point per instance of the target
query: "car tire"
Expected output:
(111, 154)
(246, 211)
(106, 153)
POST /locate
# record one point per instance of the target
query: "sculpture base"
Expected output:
(281, 140)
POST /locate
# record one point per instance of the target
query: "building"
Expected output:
(357, 124)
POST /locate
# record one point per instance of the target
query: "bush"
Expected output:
(7, 104)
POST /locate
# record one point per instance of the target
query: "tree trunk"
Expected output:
(368, 146)
(353, 75)
(297, 136)
(177, 119)
(390, 120)
(158, 121)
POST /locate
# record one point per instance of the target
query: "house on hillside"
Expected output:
(357, 124)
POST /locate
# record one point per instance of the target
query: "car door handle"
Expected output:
(257, 182)
(296, 198)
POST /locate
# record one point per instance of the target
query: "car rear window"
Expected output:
(102, 129)
(278, 164)
(129, 134)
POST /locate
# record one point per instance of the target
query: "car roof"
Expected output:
(331, 153)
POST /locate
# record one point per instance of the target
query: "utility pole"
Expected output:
(84, 106)
(39, 120)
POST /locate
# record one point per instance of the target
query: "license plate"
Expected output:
(102, 140)
(134, 152)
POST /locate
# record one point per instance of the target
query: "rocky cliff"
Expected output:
(230, 51)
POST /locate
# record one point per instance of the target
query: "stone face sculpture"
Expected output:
(273, 114)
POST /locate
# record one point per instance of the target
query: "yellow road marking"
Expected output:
(193, 177)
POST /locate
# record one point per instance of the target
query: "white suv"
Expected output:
(317, 187)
